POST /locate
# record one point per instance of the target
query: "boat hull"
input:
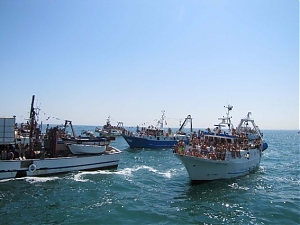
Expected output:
(86, 141)
(202, 169)
(152, 142)
(48, 166)
(86, 149)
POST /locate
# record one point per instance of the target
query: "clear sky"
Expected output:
(131, 59)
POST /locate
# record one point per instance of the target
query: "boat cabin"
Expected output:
(154, 132)
(221, 139)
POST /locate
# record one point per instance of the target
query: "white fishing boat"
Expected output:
(43, 157)
(46, 166)
(223, 153)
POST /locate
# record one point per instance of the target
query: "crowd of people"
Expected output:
(17, 151)
(215, 147)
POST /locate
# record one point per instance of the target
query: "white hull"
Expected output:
(85, 141)
(48, 166)
(86, 149)
(203, 169)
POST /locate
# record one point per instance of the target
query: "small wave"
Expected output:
(8, 179)
(129, 171)
(33, 180)
(78, 177)
(151, 169)
(236, 186)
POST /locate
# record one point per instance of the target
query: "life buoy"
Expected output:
(32, 168)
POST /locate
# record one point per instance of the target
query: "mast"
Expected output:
(32, 116)
(227, 119)
(73, 131)
(186, 120)
(160, 123)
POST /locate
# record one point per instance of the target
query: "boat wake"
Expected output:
(79, 177)
(236, 186)
(9, 179)
(33, 180)
(129, 172)
(166, 174)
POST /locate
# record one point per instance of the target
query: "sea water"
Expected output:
(153, 187)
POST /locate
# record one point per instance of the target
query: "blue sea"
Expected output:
(153, 187)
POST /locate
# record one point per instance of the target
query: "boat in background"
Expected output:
(110, 131)
(223, 153)
(87, 137)
(43, 157)
(157, 137)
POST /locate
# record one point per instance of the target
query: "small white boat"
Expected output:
(223, 154)
(86, 148)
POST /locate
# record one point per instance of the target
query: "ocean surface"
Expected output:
(153, 187)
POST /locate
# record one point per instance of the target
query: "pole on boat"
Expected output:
(32, 115)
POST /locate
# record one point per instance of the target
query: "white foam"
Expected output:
(9, 179)
(78, 177)
(33, 180)
(129, 171)
(236, 186)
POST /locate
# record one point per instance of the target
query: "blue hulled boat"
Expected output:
(157, 137)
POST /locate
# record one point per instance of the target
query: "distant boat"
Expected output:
(223, 153)
(43, 157)
(108, 130)
(157, 137)
(89, 137)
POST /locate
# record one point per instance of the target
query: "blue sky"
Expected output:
(87, 60)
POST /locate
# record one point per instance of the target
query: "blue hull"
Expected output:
(138, 142)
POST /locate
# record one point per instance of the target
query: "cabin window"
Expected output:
(217, 140)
